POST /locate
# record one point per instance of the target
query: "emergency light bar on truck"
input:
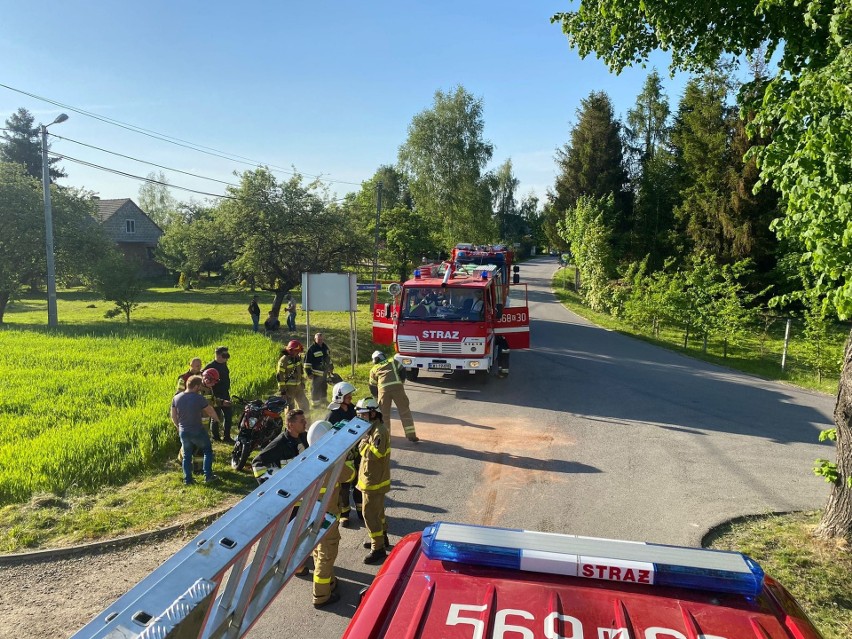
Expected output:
(632, 562)
(456, 581)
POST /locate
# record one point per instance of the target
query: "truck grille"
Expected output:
(441, 348)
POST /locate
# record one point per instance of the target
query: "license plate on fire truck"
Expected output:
(440, 366)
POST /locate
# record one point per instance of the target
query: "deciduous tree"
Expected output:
(78, 239)
(157, 201)
(274, 231)
(444, 158)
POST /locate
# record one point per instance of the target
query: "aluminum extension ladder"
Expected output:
(220, 583)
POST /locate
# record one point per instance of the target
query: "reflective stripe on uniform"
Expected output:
(322, 580)
(378, 534)
(373, 486)
(377, 452)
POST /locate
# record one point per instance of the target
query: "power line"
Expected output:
(138, 177)
(159, 182)
(128, 157)
(170, 139)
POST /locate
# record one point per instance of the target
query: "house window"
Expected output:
(130, 226)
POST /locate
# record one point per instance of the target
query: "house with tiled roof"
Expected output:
(135, 234)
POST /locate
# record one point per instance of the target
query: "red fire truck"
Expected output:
(461, 315)
(458, 581)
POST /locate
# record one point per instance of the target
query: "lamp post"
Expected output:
(52, 318)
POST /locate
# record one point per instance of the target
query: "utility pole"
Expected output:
(376, 253)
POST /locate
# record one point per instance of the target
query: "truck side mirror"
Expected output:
(516, 269)
(516, 279)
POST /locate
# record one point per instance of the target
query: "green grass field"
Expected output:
(86, 406)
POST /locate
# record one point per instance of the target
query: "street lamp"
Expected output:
(52, 318)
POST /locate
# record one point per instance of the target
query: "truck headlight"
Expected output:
(474, 364)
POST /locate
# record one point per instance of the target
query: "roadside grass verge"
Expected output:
(759, 353)
(87, 449)
(816, 573)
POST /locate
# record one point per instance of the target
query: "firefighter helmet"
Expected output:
(378, 356)
(366, 405)
(210, 375)
(341, 390)
(295, 344)
(317, 430)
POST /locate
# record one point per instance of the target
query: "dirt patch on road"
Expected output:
(516, 454)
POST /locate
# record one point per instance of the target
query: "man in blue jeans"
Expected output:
(188, 409)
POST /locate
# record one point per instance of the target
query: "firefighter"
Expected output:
(325, 554)
(318, 366)
(291, 375)
(194, 369)
(374, 478)
(386, 386)
(342, 408)
(289, 444)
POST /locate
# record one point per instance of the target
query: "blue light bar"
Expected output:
(417, 274)
(588, 557)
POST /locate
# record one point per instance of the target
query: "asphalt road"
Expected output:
(593, 433)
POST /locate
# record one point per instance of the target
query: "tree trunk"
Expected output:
(686, 338)
(836, 519)
(276, 303)
(4, 301)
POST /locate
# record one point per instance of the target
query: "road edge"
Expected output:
(95, 547)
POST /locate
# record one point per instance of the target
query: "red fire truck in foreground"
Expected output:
(461, 315)
(458, 581)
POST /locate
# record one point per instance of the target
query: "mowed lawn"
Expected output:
(84, 407)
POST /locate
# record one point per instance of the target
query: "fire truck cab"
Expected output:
(457, 581)
(461, 315)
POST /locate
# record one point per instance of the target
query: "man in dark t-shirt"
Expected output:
(222, 390)
(292, 441)
(188, 410)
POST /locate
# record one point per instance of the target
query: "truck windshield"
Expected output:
(443, 304)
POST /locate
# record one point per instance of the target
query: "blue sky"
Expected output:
(327, 87)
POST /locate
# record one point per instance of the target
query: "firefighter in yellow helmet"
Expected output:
(374, 478)
(291, 376)
(386, 380)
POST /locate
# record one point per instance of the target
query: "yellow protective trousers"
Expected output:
(374, 518)
(396, 393)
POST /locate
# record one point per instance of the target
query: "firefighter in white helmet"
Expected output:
(342, 408)
(386, 385)
(325, 554)
(374, 478)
